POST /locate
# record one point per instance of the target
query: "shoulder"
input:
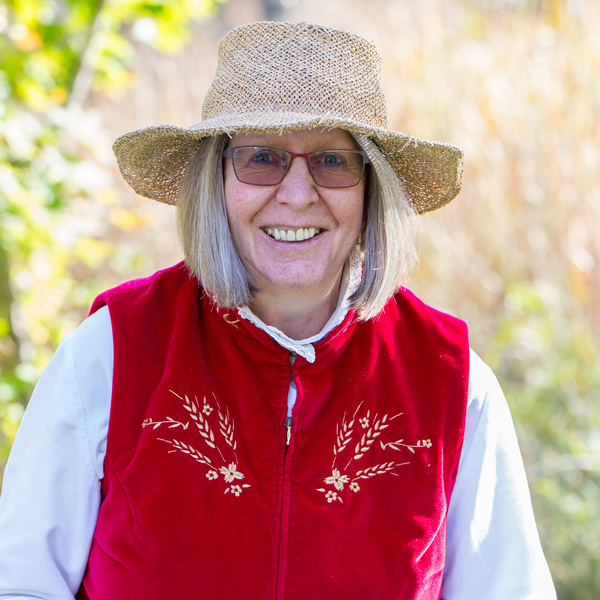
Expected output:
(416, 313)
(424, 330)
(485, 393)
(163, 282)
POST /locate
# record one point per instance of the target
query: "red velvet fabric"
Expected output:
(201, 496)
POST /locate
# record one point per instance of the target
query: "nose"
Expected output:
(298, 189)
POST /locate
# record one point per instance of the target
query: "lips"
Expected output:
(292, 235)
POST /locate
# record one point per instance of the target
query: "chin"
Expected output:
(291, 281)
(296, 284)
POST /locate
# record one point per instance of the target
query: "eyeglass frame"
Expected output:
(229, 153)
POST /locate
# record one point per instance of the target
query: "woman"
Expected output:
(276, 418)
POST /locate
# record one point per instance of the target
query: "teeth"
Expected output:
(292, 235)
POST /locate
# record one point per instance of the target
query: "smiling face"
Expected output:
(294, 235)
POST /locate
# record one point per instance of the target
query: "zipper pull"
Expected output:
(288, 421)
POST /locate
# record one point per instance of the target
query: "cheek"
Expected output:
(237, 203)
(354, 212)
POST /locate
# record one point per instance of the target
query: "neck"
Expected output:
(295, 312)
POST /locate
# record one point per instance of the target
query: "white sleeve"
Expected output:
(51, 490)
(493, 548)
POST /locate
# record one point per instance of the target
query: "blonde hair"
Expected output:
(387, 243)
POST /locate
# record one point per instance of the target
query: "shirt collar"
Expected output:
(350, 281)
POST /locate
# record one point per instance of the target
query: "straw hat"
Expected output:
(286, 76)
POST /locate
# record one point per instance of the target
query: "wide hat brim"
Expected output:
(153, 160)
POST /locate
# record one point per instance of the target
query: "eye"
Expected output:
(329, 159)
(261, 157)
(264, 156)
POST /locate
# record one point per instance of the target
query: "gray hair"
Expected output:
(387, 243)
(389, 240)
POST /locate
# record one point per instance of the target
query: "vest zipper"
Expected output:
(288, 425)
(283, 535)
(289, 421)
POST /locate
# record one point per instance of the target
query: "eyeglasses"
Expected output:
(261, 165)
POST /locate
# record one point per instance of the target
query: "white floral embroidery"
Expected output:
(337, 479)
(355, 437)
(230, 473)
(332, 496)
(236, 490)
(219, 444)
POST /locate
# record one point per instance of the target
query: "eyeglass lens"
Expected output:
(258, 165)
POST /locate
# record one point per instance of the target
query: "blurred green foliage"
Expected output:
(54, 179)
(546, 357)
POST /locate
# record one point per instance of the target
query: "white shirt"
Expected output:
(51, 494)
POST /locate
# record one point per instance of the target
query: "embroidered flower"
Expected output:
(332, 496)
(354, 486)
(424, 444)
(207, 409)
(337, 480)
(236, 490)
(364, 422)
(212, 475)
(230, 473)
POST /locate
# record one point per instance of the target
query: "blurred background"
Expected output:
(515, 83)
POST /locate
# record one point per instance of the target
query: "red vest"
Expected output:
(202, 498)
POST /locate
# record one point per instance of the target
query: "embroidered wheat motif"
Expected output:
(368, 438)
(357, 436)
(178, 445)
(172, 423)
(226, 427)
(377, 470)
(201, 415)
(344, 435)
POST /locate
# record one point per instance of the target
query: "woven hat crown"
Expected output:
(272, 68)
